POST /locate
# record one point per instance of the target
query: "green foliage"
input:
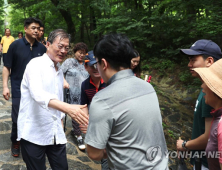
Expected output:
(157, 28)
(159, 64)
(164, 125)
(171, 134)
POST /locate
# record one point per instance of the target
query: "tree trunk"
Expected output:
(68, 19)
(92, 25)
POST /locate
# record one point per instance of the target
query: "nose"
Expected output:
(201, 85)
(63, 50)
(190, 64)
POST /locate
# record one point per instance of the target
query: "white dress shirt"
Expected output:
(37, 123)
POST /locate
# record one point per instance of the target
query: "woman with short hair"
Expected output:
(75, 73)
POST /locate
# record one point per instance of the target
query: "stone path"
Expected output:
(77, 160)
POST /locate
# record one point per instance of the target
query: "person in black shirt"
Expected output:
(40, 38)
(19, 54)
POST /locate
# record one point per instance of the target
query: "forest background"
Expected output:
(157, 28)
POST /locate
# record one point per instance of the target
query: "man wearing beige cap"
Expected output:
(203, 53)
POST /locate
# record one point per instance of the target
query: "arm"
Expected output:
(94, 153)
(199, 143)
(99, 129)
(83, 127)
(74, 111)
(65, 84)
(33, 80)
(5, 76)
(84, 100)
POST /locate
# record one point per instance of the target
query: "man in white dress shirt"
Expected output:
(39, 123)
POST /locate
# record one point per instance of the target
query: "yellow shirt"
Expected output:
(6, 41)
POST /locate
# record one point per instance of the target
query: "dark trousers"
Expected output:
(76, 128)
(34, 156)
(4, 55)
(14, 115)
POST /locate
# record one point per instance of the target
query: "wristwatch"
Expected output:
(184, 144)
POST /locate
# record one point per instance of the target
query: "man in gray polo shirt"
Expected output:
(125, 123)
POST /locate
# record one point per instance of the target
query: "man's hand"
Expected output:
(78, 115)
(6, 93)
(179, 145)
(83, 128)
(74, 111)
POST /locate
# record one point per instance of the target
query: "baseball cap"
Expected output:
(206, 47)
(90, 58)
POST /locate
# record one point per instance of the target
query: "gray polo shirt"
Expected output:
(125, 119)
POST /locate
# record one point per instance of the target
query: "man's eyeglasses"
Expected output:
(66, 48)
(95, 66)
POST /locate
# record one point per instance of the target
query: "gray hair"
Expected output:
(58, 32)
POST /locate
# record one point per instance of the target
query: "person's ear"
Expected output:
(104, 63)
(209, 61)
(25, 28)
(47, 44)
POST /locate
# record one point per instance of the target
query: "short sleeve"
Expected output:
(9, 56)
(100, 124)
(206, 109)
(2, 41)
(65, 65)
(84, 98)
(219, 132)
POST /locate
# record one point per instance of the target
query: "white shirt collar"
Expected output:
(50, 63)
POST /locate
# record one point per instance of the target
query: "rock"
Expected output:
(5, 126)
(166, 110)
(5, 114)
(7, 157)
(174, 118)
(97, 162)
(71, 149)
(2, 102)
(75, 165)
(5, 142)
(12, 167)
(84, 159)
